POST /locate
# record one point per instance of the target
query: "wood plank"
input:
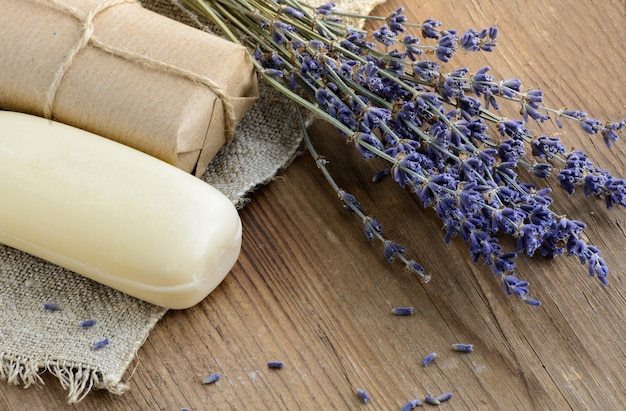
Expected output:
(309, 290)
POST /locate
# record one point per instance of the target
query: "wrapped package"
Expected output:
(118, 70)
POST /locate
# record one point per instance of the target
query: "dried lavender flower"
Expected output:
(87, 323)
(462, 347)
(428, 359)
(429, 399)
(275, 364)
(100, 344)
(211, 378)
(412, 404)
(364, 396)
(444, 397)
(51, 306)
(438, 132)
(402, 310)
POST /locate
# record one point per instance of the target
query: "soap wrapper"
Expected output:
(126, 73)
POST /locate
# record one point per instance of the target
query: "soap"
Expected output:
(113, 214)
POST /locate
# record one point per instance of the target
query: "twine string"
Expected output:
(87, 38)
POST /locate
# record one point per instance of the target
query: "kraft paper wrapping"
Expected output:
(126, 73)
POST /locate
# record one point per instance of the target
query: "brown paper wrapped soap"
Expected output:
(118, 70)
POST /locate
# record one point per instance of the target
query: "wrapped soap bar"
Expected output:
(112, 213)
(126, 73)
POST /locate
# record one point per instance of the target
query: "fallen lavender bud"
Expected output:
(276, 364)
(402, 310)
(364, 396)
(444, 397)
(100, 344)
(87, 323)
(412, 404)
(463, 347)
(210, 379)
(51, 306)
(428, 359)
(429, 399)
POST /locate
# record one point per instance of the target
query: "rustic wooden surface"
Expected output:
(309, 290)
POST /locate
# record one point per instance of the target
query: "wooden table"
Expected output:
(311, 291)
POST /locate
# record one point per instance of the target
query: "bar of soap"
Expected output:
(112, 213)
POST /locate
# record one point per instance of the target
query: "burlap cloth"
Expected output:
(33, 339)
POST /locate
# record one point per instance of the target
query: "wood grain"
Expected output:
(309, 290)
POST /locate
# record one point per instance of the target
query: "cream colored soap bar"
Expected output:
(112, 213)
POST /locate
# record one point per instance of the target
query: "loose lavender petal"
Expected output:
(364, 396)
(444, 397)
(402, 310)
(463, 347)
(87, 323)
(429, 399)
(412, 404)
(51, 306)
(275, 364)
(210, 379)
(100, 344)
(428, 359)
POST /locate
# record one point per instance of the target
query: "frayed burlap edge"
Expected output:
(77, 378)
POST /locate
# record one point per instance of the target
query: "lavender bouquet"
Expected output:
(438, 134)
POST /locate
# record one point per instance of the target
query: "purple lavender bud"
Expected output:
(293, 12)
(364, 396)
(493, 32)
(429, 399)
(443, 51)
(428, 359)
(541, 170)
(402, 310)
(370, 140)
(87, 323)
(534, 96)
(396, 19)
(100, 344)
(381, 174)
(279, 37)
(532, 301)
(391, 249)
(470, 40)
(444, 397)
(514, 84)
(417, 268)
(210, 379)
(469, 105)
(572, 114)
(611, 131)
(371, 225)
(384, 35)
(590, 125)
(412, 404)
(325, 7)
(349, 200)
(275, 364)
(462, 347)
(411, 47)
(51, 306)
(274, 72)
(429, 29)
